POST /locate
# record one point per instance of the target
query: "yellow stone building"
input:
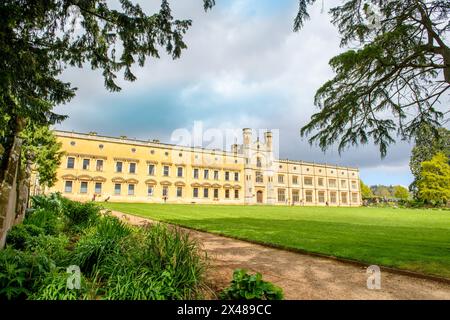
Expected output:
(125, 170)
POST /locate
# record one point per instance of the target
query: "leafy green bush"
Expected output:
(117, 261)
(171, 251)
(80, 215)
(52, 202)
(20, 235)
(53, 247)
(21, 272)
(250, 287)
(155, 263)
(48, 220)
(99, 242)
(54, 287)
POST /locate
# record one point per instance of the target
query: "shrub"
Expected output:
(52, 247)
(52, 202)
(21, 272)
(19, 235)
(45, 219)
(99, 242)
(171, 251)
(155, 263)
(80, 215)
(250, 287)
(54, 287)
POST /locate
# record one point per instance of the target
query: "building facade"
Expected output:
(103, 168)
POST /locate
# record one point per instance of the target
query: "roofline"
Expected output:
(138, 142)
(314, 164)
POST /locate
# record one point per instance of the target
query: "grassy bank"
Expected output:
(415, 240)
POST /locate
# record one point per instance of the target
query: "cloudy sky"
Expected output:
(244, 67)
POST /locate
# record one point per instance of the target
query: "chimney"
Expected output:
(247, 134)
(268, 140)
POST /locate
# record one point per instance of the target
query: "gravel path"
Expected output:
(303, 276)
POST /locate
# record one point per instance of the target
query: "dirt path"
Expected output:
(303, 276)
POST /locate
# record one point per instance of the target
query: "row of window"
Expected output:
(307, 181)
(119, 168)
(68, 188)
(321, 196)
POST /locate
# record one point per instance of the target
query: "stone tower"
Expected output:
(258, 168)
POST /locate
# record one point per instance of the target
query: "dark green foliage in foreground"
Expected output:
(250, 287)
(164, 264)
(101, 241)
(117, 261)
(80, 215)
(19, 235)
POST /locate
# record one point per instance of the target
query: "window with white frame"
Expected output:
(259, 177)
(151, 169)
(99, 165)
(70, 162)
(86, 163)
(296, 196)
(68, 186)
(119, 165)
(308, 181)
(281, 195)
(308, 196)
(132, 168)
(83, 187)
(117, 189)
(333, 197)
(98, 188)
(332, 183)
(344, 198)
(321, 197)
(320, 182)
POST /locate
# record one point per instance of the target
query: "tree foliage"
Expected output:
(434, 183)
(428, 143)
(393, 79)
(366, 192)
(39, 39)
(401, 193)
(40, 143)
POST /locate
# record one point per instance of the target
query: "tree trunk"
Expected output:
(446, 56)
(9, 191)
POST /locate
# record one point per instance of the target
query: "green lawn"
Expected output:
(417, 240)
